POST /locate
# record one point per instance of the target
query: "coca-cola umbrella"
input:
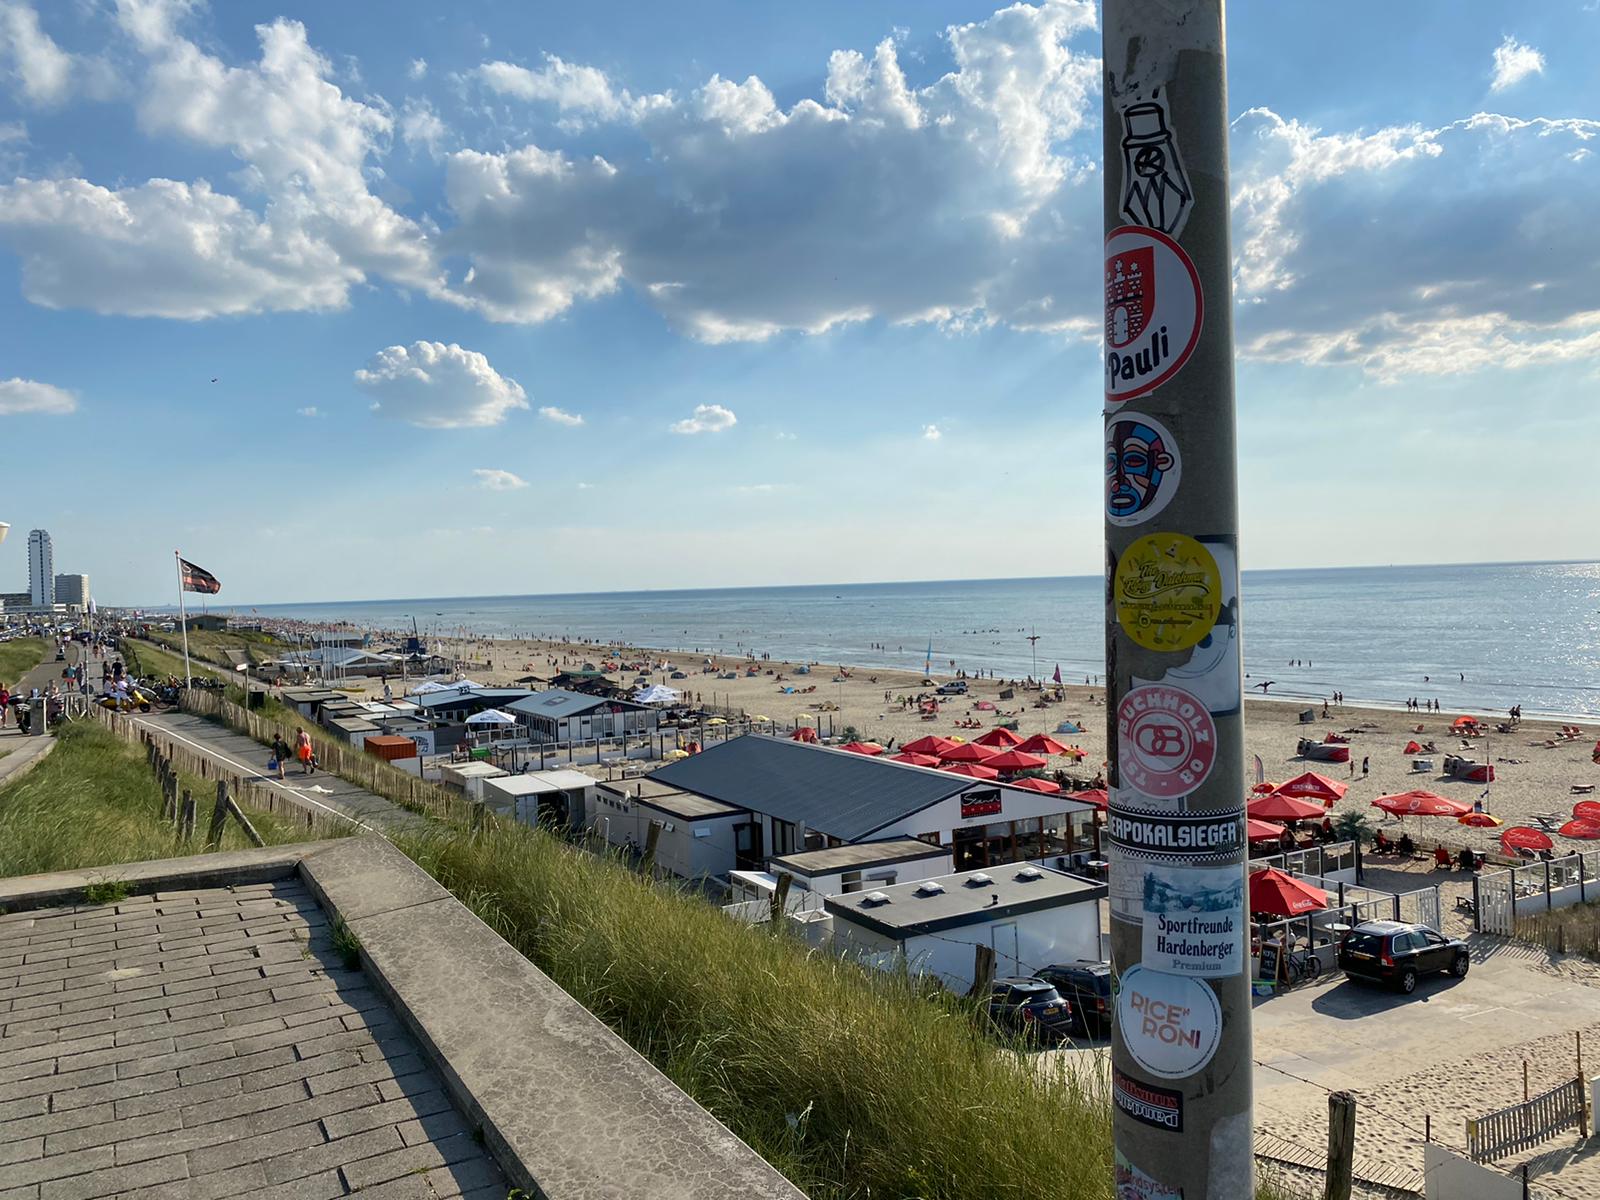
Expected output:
(1281, 894)
(1014, 760)
(1094, 796)
(1263, 831)
(1421, 804)
(1034, 784)
(971, 770)
(867, 748)
(914, 759)
(1586, 831)
(1278, 807)
(1000, 738)
(932, 744)
(967, 752)
(1522, 837)
(1311, 786)
(1042, 743)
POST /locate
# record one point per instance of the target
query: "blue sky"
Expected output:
(502, 297)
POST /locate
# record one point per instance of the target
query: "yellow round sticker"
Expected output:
(1168, 591)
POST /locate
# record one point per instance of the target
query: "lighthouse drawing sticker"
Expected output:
(1155, 189)
(1154, 311)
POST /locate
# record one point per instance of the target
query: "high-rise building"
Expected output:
(73, 590)
(41, 569)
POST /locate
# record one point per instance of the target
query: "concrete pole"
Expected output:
(1181, 1047)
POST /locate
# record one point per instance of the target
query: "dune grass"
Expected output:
(1572, 930)
(93, 802)
(18, 657)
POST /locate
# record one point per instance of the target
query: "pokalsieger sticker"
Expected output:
(1193, 919)
(1171, 1024)
(1154, 310)
(1143, 468)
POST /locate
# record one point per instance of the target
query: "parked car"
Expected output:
(1086, 986)
(956, 687)
(1399, 954)
(1031, 1008)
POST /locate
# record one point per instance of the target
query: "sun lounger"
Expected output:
(1549, 821)
(1582, 789)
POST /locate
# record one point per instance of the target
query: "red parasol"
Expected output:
(932, 744)
(1000, 738)
(1274, 891)
(1042, 743)
(1587, 810)
(868, 748)
(1421, 804)
(1033, 784)
(1014, 760)
(1520, 837)
(1479, 820)
(967, 752)
(1463, 722)
(1312, 786)
(1264, 788)
(1278, 807)
(915, 760)
(972, 770)
(1586, 831)
(1094, 796)
(1263, 831)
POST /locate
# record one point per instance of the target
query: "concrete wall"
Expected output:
(1453, 1176)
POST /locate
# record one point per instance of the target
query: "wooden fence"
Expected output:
(1524, 1126)
(341, 759)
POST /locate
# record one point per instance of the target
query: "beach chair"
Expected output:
(1582, 789)
(1549, 822)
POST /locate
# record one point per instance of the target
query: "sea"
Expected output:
(1479, 638)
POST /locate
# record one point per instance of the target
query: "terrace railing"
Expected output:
(1500, 897)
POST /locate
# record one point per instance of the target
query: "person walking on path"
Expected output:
(280, 752)
(5, 704)
(1366, 765)
(302, 751)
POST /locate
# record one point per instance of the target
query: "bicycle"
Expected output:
(1298, 968)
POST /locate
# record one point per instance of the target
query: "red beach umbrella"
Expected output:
(1479, 820)
(1586, 831)
(1421, 804)
(967, 752)
(1042, 743)
(1094, 796)
(1264, 788)
(914, 759)
(868, 748)
(1312, 786)
(1033, 784)
(1412, 747)
(1277, 892)
(1278, 807)
(1000, 738)
(972, 770)
(1520, 837)
(932, 744)
(1463, 722)
(1587, 810)
(1263, 831)
(1014, 760)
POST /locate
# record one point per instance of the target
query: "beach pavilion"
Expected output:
(560, 716)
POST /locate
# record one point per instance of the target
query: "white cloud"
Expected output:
(560, 416)
(571, 87)
(43, 70)
(707, 418)
(418, 68)
(761, 489)
(438, 386)
(932, 433)
(585, 487)
(30, 396)
(309, 411)
(1514, 62)
(784, 436)
(496, 480)
(421, 127)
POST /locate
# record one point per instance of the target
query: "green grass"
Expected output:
(93, 802)
(20, 656)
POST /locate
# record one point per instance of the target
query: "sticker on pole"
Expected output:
(1154, 311)
(1166, 741)
(1146, 1103)
(1168, 591)
(1193, 919)
(1134, 1184)
(1143, 468)
(1171, 1024)
(1155, 188)
(1212, 672)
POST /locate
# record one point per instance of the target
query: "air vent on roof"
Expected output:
(873, 899)
(1028, 873)
(931, 887)
(979, 879)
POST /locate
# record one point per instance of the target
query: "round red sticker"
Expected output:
(1166, 741)
(1154, 310)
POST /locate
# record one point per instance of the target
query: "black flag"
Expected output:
(198, 579)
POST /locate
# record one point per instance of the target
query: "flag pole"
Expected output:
(183, 619)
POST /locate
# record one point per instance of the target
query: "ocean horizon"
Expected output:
(1480, 636)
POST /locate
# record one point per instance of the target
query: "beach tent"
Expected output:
(1312, 786)
(1586, 831)
(1042, 743)
(426, 686)
(491, 716)
(1000, 739)
(1069, 727)
(932, 744)
(657, 693)
(1047, 786)
(1421, 804)
(1520, 837)
(1412, 747)
(1281, 894)
(1278, 807)
(1094, 796)
(1263, 831)
(1014, 760)
(867, 748)
(968, 752)
(915, 760)
(972, 770)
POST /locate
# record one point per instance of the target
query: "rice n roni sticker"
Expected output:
(1171, 1024)
(1168, 591)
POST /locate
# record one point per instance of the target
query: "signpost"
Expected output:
(1179, 933)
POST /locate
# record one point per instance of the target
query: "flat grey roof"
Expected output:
(963, 900)
(857, 854)
(670, 800)
(457, 695)
(559, 704)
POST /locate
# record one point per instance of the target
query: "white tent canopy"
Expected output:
(426, 686)
(491, 716)
(657, 693)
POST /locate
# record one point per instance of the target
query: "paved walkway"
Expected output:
(202, 1044)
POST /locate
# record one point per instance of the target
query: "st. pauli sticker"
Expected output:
(1143, 468)
(1168, 591)
(1134, 1184)
(1166, 741)
(1159, 1107)
(1171, 1024)
(1155, 187)
(1154, 310)
(1193, 918)
(1212, 672)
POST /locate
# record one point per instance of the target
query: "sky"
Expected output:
(498, 297)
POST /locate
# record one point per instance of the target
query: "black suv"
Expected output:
(1390, 952)
(1086, 986)
(1031, 1008)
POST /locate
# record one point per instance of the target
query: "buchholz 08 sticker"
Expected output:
(1166, 741)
